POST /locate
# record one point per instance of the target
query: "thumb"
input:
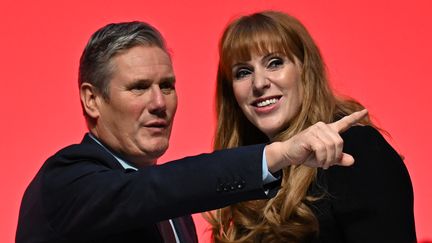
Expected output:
(346, 160)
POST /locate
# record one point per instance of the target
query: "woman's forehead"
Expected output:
(247, 53)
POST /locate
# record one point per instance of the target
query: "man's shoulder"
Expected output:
(87, 150)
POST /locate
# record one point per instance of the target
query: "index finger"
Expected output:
(348, 121)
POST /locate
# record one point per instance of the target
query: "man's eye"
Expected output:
(242, 73)
(275, 63)
(167, 87)
(140, 87)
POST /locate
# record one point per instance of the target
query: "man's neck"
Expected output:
(135, 161)
(126, 163)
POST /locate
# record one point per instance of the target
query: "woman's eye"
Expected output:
(275, 63)
(241, 73)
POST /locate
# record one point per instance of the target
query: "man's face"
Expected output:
(137, 118)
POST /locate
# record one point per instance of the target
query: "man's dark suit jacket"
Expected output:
(82, 194)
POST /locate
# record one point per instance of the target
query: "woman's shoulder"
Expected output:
(362, 133)
(374, 156)
(359, 140)
(377, 177)
(375, 189)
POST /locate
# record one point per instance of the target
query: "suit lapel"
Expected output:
(110, 160)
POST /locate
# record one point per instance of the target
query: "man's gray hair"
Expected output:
(95, 66)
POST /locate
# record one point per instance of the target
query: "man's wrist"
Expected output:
(274, 157)
(267, 176)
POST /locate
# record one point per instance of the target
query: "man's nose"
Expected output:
(157, 102)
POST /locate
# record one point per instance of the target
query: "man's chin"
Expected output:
(156, 150)
(148, 157)
(156, 154)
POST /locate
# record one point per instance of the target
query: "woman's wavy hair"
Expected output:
(286, 217)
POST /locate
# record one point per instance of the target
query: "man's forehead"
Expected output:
(143, 55)
(142, 63)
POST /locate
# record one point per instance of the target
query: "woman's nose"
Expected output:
(260, 81)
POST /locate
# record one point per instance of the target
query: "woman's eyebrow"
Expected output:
(239, 64)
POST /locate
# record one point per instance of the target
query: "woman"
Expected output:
(271, 86)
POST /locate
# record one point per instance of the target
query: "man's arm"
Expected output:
(82, 195)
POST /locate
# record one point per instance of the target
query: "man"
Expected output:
(108, 188)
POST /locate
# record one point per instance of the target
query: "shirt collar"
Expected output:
(123, 163)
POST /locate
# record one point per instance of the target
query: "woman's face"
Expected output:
(268, 90)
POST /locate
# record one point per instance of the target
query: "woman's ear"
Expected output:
(89, 100)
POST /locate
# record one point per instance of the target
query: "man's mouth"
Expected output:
(157, 124)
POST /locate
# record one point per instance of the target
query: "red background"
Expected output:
(377, 51)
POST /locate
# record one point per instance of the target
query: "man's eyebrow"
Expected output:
(171, 79)
(141, 80)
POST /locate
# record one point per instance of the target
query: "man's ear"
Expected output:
(90, 100)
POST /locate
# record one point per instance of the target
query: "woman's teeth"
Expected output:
(267, 102)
